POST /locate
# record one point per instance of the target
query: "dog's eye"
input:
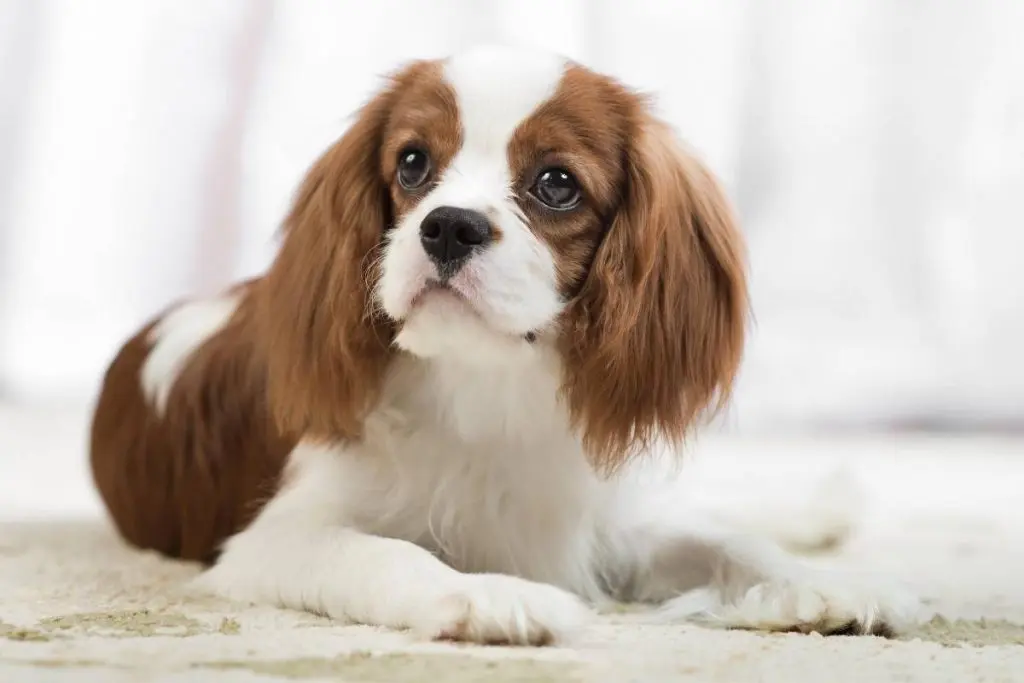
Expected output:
(413, 168)
(556, 189)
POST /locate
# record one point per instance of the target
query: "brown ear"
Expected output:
(326, 348)
(655, 337)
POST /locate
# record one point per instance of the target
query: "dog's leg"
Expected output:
(299, 553)
(710, 575)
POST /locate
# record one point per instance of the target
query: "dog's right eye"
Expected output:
(413, 168)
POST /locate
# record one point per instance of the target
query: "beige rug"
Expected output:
(945, 516)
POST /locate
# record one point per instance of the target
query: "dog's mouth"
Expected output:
(445, 293)
(434, 288)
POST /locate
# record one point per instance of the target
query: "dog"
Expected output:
(503, 299)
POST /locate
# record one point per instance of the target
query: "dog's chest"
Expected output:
(485, 472)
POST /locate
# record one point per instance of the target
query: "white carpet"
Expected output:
(944, 515)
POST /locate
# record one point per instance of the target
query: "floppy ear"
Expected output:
(655, 336)
(326, 348)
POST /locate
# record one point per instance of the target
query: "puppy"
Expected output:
(503, 298)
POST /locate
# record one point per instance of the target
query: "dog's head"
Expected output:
(501, 204)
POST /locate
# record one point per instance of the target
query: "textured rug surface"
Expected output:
(944, 516)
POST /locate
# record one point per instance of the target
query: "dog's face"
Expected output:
(503, 169)
(494, 205)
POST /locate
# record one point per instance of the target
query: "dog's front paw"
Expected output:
(495, 609)
(818, 602)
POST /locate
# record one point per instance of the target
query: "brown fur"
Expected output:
(652, 263)
(655, 336)
(425, 114)
(587, 122)
(183, 482)
(326, 345)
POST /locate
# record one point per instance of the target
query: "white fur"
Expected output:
(175, 338)
(337, 569)
(469, 475)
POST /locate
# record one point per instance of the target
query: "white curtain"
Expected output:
(875, 149)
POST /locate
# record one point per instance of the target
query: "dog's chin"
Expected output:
(443, 324)
(436, 294)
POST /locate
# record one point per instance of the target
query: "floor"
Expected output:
(943, 515)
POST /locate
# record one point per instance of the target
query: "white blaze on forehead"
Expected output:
(496, 88)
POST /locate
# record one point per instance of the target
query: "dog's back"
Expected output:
(182, 449)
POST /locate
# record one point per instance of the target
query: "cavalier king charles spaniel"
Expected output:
(503, 297)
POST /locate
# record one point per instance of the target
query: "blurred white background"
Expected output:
(875, 149)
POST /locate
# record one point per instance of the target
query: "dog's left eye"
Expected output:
(557, 189)
(413, 168)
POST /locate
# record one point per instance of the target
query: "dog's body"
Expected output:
(428, 414)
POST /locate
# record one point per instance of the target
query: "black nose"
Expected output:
(449, 234)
